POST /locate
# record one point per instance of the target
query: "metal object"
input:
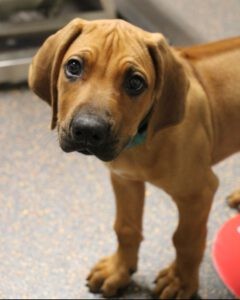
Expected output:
(14, 66)
(7, 7)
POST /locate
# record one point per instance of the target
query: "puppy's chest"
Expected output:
(140, 168)
(134, 173)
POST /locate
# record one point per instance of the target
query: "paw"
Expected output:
(170, 286)
(108, 276)
(234, 200)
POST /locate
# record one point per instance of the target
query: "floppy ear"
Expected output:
(171, 84)
(45, 67)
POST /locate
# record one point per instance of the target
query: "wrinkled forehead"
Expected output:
(113, 41)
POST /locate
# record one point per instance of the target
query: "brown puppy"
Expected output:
(152, 113)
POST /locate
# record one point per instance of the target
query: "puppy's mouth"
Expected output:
(105, 152)
(86, 152)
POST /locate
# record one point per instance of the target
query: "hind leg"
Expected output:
(234, 199)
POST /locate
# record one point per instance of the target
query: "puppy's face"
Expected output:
(102, 78)
(105, 89)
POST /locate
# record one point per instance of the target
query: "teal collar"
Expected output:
(141, 135)
(137, 140)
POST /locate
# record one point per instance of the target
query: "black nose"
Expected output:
(89, 130)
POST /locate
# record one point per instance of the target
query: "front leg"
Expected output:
(180, 280)
(114, 272)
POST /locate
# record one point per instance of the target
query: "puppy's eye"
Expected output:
(74, 68)
(135, 85)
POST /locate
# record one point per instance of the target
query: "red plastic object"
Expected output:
(226, 254)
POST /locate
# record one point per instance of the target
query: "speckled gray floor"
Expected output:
(57, 210)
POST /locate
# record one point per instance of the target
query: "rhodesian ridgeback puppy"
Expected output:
(152, 113)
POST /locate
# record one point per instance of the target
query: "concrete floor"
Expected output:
(57, 210)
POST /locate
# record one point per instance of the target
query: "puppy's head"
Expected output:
(102, 78)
